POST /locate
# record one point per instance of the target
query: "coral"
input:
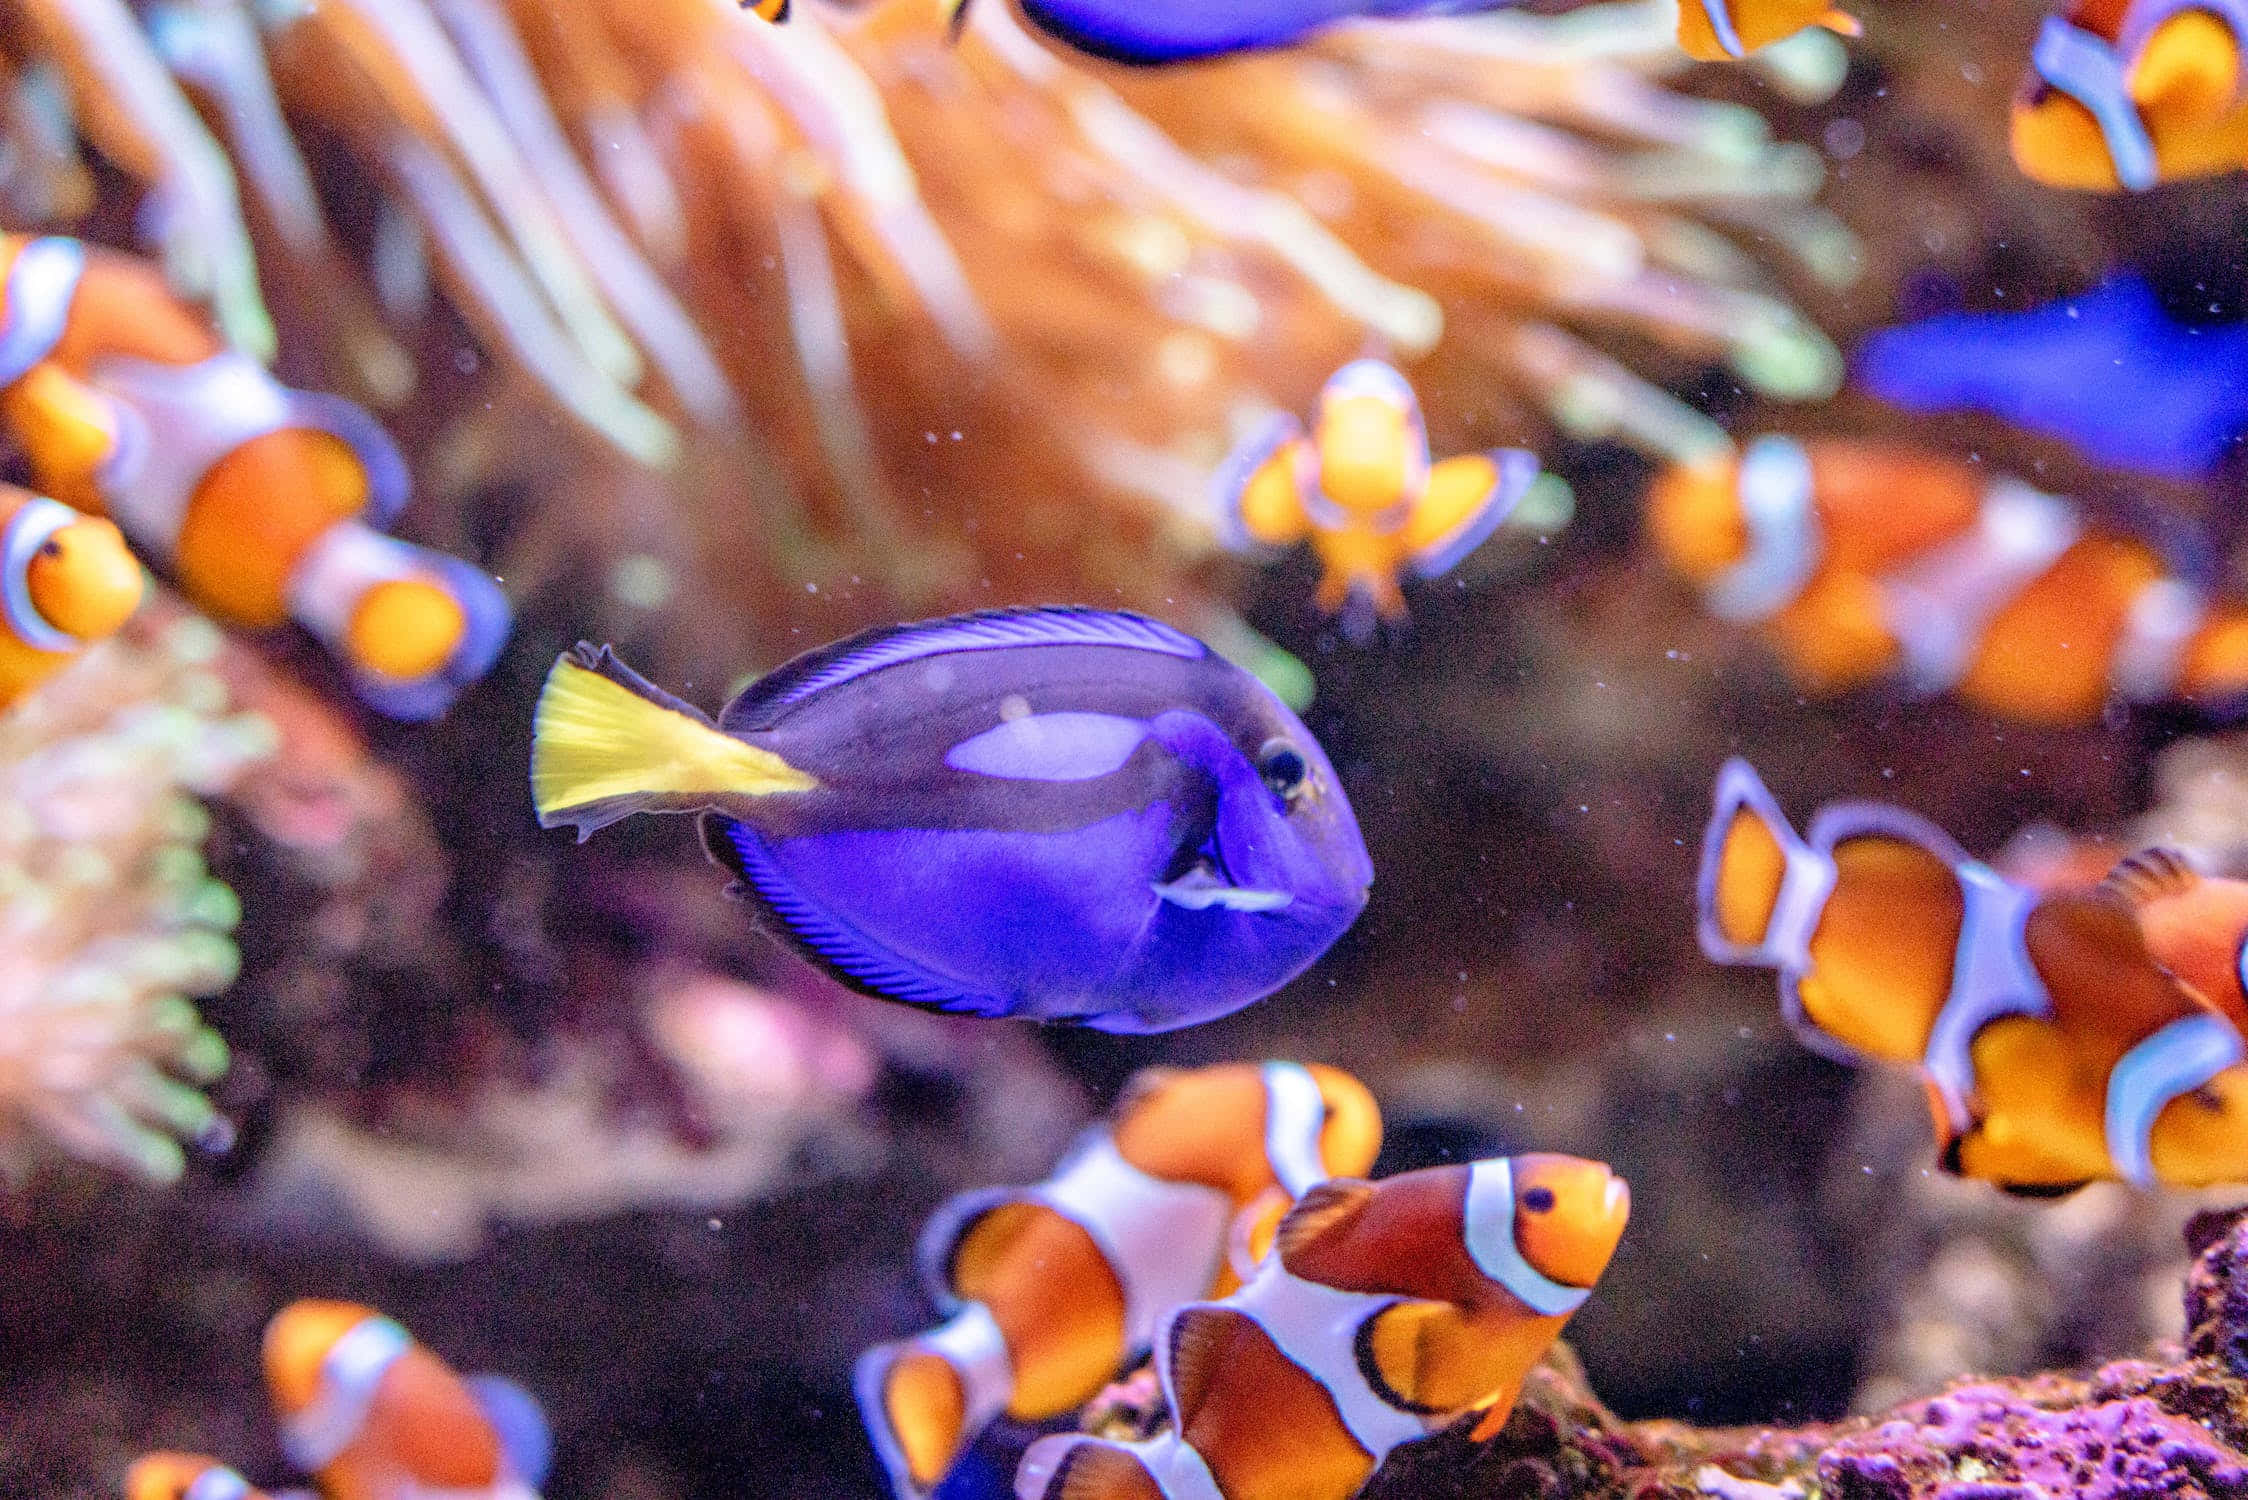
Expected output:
(108, 920)
(2174, 1424)
(952, 316)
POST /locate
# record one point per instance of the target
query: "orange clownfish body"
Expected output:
(186, 1476)
(1718, 30)
(372, 1415)
(1054, 1289)
(1360, 488)
(2065, 1036)
(255, 497)
(66, 581)
(1387, 1311)
(2125, 94)
(1861, 561)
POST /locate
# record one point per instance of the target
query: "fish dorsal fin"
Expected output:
(845, 953)
(765, 701)
(2150, 875)
(1328, 1208)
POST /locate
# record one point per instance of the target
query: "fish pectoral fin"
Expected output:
(1326, 1209)
(1203, 887)
(606, 743)
(1841, 23)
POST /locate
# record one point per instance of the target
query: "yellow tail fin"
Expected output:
(606, 744)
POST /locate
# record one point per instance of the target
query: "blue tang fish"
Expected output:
(1150, 32)
(1062, 814)
(2108, 371)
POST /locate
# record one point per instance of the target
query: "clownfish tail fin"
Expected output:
(1755, 870)
(925, 1400)
(2149, 875)
(606, 743)
(520, 1423)
(1074, 1467)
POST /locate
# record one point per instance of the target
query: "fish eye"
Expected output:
(1539, 1200)
(1283, 767)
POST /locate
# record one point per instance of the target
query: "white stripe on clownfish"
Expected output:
(1720, 13)
(2183, 1056)
(1489, 1227)
(2089, 70)
(1939, 606)
(2163, 616)
(1295, 1113)
(353, 1366)
(1776, 494)
(1992, 977)
(218, 1482)
(27, 531)
(35, 304)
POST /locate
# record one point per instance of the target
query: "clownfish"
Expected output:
(774, 11)
(1387, 1311)
(2065, 1036)
(256, 498)
(2125, 94)
(1718, 30)
(186, 1476)
(1053, 1290)
(1061, 814)
(1862, 561)
(372, 1415)
(1361, 489)
(66, 581)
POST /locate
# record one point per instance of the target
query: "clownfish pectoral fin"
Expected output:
(1467, 499)
(955, 17)
(2150, 875)
(1260, 503)
(775, 11)
(914, 1402)
(1328, 1208)
(1496, 1410)
(1201, 1340)
(1760, 886)
(515, 1415)
(1072, 1466)
(1841, 23)
(606, 743)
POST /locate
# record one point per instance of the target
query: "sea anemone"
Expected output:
(909, 322)
(108, 920)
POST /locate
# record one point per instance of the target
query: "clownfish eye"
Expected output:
(50, 548)
(1283, 767)
(1539, 1200)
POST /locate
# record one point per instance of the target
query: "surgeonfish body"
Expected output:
(2064, 1035)
(2125, 94)
(2108, 370)
(261, 501)
(1051, 1291)
(67, 580)
(1360, 488)
(372, 1415)
(1387, 1311)
(186, 1476)
(1716, 30)
(1859, 562)
(1061, 814)
(1148, 33)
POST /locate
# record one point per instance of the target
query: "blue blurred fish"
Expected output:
(2108, 371)
(1062, 814)
(1150, 32)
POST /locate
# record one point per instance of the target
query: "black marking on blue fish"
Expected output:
(848, 956)
(604, 661)
(763, 701)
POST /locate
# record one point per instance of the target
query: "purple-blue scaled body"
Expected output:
(1149, 32)
(1060, 814)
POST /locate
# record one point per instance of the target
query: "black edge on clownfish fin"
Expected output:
(766, 700)
(847, 956)
(2149, 875)
(2041, 1191)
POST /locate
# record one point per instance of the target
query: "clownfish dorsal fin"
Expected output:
(2150, 875)
(1328, 1209)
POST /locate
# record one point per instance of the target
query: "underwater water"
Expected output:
(1370, 486)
